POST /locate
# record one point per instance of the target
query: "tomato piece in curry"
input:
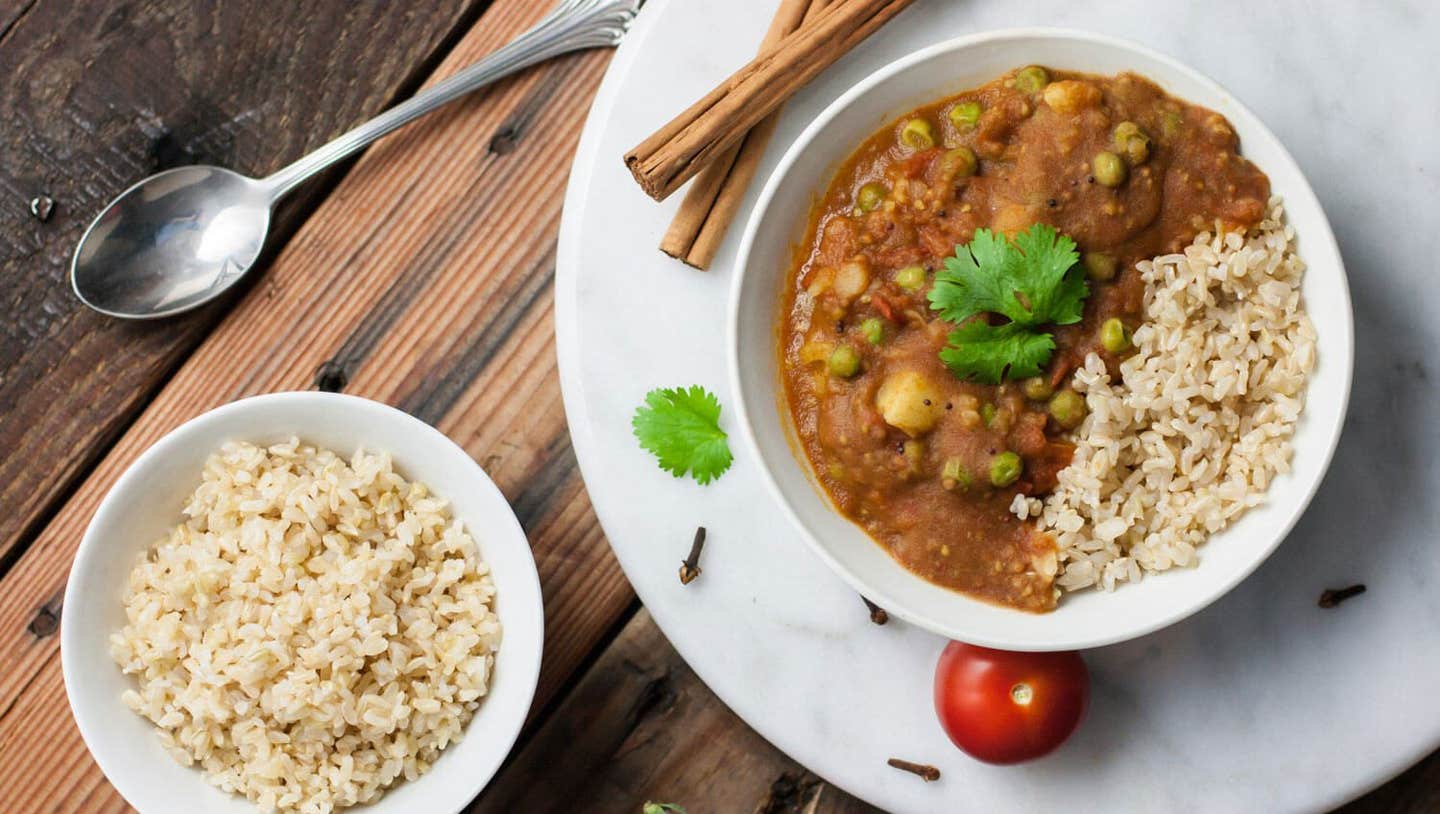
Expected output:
(929, 464)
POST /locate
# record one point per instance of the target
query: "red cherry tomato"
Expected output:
(1003, 707)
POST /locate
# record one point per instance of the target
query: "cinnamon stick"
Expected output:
(720, 120)
(711, 201)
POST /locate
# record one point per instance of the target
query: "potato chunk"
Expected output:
(1012, 219)
(1071, 96)
(909, 402)
(851, 279)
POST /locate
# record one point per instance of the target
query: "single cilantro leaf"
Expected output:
(1048, 276)
(1068, 307)
(978, 280)
(988, 353)
(681, 428)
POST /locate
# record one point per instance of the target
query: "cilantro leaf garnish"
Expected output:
(989, 352)
(977, 281)
(681, 428)
(1031, 281)
(1055, 295)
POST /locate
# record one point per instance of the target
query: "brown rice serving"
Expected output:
(1201, 419)
(314, 631)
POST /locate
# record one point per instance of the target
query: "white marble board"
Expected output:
(1263, 702)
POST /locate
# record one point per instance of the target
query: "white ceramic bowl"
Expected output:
(146, 502)
(777, 225)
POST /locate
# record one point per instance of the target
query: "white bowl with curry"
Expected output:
(1041, 339)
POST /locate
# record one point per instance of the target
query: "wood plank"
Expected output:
(101, 94)
(1417, 791)
(424, 280)
(642, 726)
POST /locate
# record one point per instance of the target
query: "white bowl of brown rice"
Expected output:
(1197, 453)
(302, 602)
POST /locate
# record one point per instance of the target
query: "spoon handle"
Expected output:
(574, 25)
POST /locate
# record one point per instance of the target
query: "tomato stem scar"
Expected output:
(1022, 694)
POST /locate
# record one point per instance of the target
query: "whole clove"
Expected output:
(877, 613)
(690, 568)
(926, 772)
(1331, 597)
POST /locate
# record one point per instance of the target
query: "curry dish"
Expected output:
(927, 463)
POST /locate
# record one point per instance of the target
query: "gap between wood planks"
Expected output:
(16, 20)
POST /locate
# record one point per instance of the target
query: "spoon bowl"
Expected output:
(172, 242)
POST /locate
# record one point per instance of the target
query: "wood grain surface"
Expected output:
(99, 94)
(421, 276)
(424, 280)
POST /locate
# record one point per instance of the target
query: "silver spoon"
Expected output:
(182, 237)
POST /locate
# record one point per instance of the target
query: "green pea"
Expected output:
(1005, 469)
(1099, 266)
(844, 362)
(1108, 169)
(1132, 142)
(917, 134)
(987, 413)
(959, 162)
(910, 278)
(1114, 336)
(956, 474)
(965, 115)
(873, 330)
(870, 196)
(1032, 79)
(1037, 388)
(1068, 409)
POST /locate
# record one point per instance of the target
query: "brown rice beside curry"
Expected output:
(1200, 420)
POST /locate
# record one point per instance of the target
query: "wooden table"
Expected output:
(419, 275)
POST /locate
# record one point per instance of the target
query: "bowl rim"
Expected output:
(525, 582)
(745, 421)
